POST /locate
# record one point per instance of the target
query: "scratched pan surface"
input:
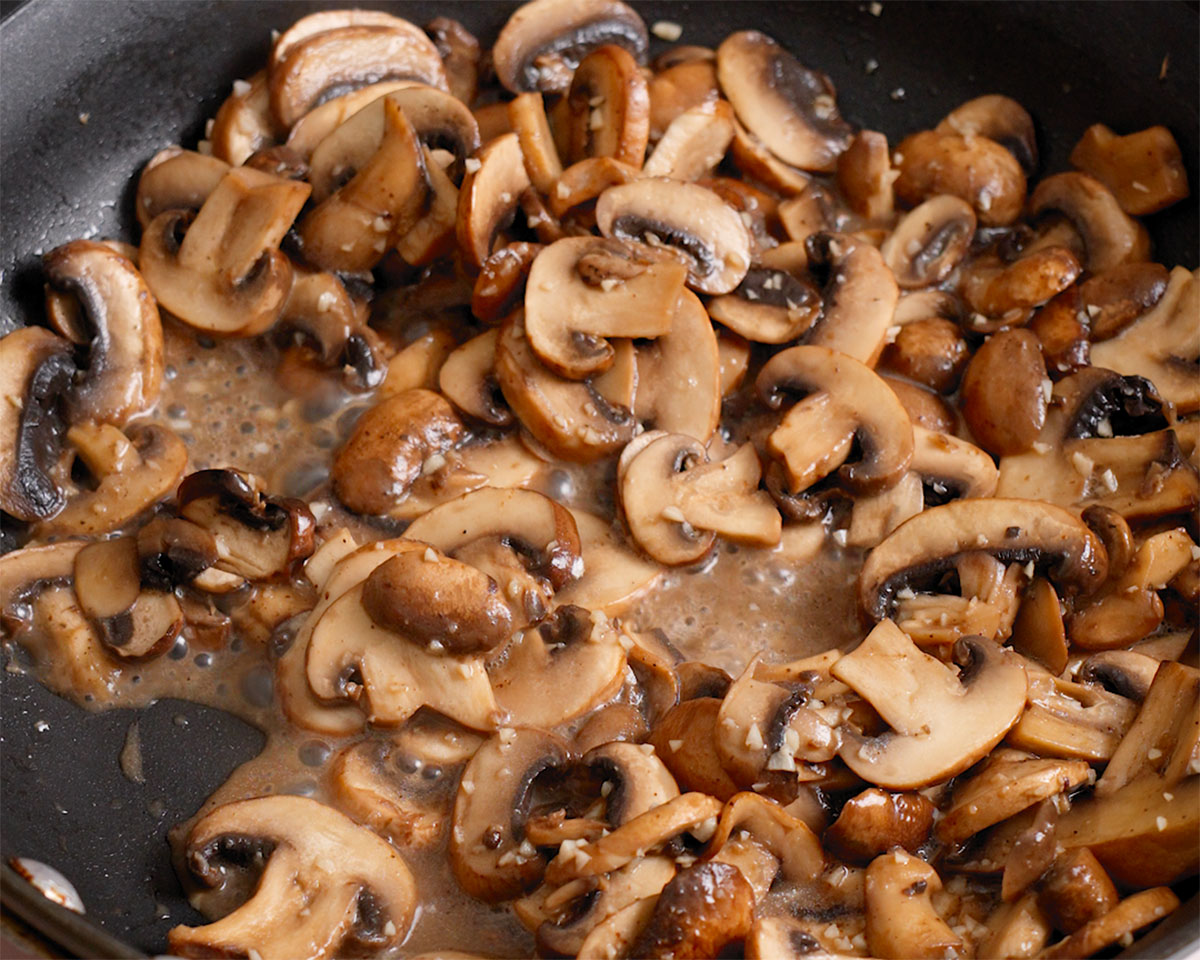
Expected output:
(148, 73)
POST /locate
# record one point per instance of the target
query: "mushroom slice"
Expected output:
(1013, 531)
(314, 127)
(558, 670)
(350, 230)
(1125, 919)
(790, 108)
(176, 179)
(1128, 607)
(1038, 631)
(865, 176)
(1163, 345)
(489, 197)
(768, 306)
(489, 853)
(608, 108)
(687, 354)
(987, 606)
(974, 169)
(36, 371)
(133, 470)
(1144, 170)
(685, 740)
(930, 241)
(844, 402)
(24, 570)
(998, 118)
(860, 297)
(942, 722)
(460, 56)
(1009, 783)
(134, 623)
(500, 286)
(335, 60)
(327, 883)
(1071, 720)
(227, 276)
(257, 536)
(434, 600)
(902, 921)
(676, 501)
(573, 420)
(391, 442)
(564, 934)
(1126, 673)
(584, 181)
(468, 380)
(581, 290)
(875, 821)
(439, 120)
(539, 530)
(544, 41)
(698, 913)
(993, 288)
(679, 86)
(244, 124)
(688, 812)
(351, 657)
(613, 575)
(790, 840)
(527, 114)
(706, 234)
(785, 938)
(1110, 236)
(950, 467)
(693, 144)
(1004, 389)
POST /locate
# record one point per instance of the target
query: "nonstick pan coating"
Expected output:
(146, 74)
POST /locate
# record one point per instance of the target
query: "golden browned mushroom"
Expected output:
(1144, 170)
(1110, 237)
(930, 241)
(975, 169)
(702, 909)
(1003, 398)
(608, 108)
(176, 179)
(875, 821)
(902, 921)
(998, 118)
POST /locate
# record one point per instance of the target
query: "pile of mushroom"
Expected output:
(600, 321)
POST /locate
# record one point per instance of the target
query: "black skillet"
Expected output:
(145, 74)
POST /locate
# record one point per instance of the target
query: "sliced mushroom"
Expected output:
(785, 938)
(1002, 397)
(844, 402)
(608, 108)
(1076, 890)
(1126, 673)
(25, 570)
(1013, 531)
(708, 236)
(998, 118)
(1038, 630)
(576, 421)
(581, 290)
(902, 921)
(975, 169)
(102, 305)
(676, 501)
(489, 197)
(500, 286)
(176, 179)
(1110, 236)
(860, 297)
(319, 123)
(544, 41)
(36, 371)
(1017, 929)
(790, 108)
(132, 469)
(680, 85)
(684, 738)
(326, 883)
(930, 241)
(307, 69)
(693, 144)
(865, 176)
(875, 821)
(702, 909)
(941, 722)
(244, 123)
(687, 354)
(950, 467)
(350, 230)
(389, 446)
(559, 670)
(768, 306)
(1125, 919)
(1144, 170)
(1071, 720)
(489, 853)
(613, 575)
(350, 657)
(227, 276)
(257, 536)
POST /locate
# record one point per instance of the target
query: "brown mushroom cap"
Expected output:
(1002, 397)
(350, 56)
(703, 908)
(875, 821)
(706, 234)
(1014, 531)
(790, 108)
(432, 598)
(941, 722)
(866, 409)
(36, 371)
(227, 276)
(545, 40)
(581, 290)
(1110, 236)
(902, 920)
(975, 169)
(327, 882)
(489, 197)
(1144, 170)
(998, 118)
(115, 326)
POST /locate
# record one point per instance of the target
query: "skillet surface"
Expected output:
(148, 73)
